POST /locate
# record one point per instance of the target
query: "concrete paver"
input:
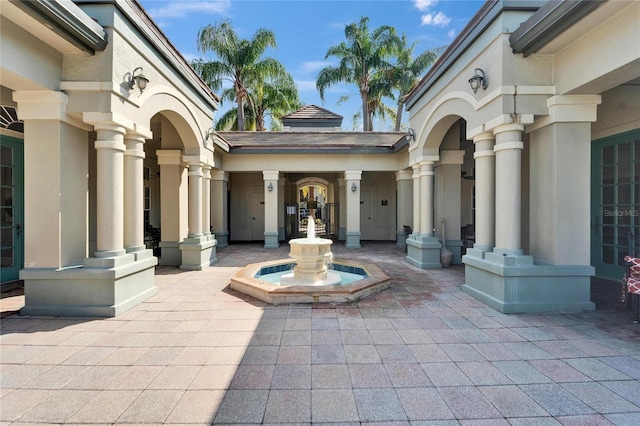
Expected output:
(421, 352)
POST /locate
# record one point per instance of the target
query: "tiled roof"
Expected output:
(282, 142)
(312, 112)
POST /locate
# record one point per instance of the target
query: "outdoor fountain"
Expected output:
(312, 256)
(311, 275)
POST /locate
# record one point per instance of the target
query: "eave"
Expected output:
(67, 20)
(548, 22)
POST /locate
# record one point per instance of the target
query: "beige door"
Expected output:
(257, 216)
(366, 214)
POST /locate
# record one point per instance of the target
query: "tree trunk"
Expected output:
(365, 113)
(399, 115)
(239, 100)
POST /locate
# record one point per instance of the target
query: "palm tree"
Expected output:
(407, 71)
(271, 97)
(363, 55)
(274, 97)
(239, 60)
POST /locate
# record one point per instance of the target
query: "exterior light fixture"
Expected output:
(138, 80)
(270, 187)
(353, 187)
(478, 80)
(411, 133)
(209, 134)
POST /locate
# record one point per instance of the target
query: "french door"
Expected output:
(615, 201)
(11, 207)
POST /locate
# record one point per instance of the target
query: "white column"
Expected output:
(484, 157)
(426, 198)
(416, 198)
(508, 149)
(206, 199)
(342, 207)
(271, 181)
(195, 198)
(404, 199)
(110, 149)
(219, 203)
(134, 192)
(353, 180)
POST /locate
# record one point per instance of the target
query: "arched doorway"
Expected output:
(315, 202)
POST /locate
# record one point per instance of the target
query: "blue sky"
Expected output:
(305, 29)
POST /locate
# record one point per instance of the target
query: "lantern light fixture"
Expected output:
(478, 80)
(138, 80)
(270, 187)
(353, 187)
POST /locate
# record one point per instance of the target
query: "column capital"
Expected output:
(483, 136)
(107, 121)
(506, 120)
(573, 108)
(193, 160)
(169, 157)
(353, 174)
(270, 174)
(451, 156)
(219, 175)
(403, 175)
(508, 127)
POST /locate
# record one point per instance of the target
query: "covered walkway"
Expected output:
(198, 353)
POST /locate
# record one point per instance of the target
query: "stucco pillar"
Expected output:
(415, 177)
(195, 197)
(508, 150)
(134, 192)
(271, 185)
(423, 248)
(448, 201)
(173, 208)
(484, 157)
(206, 199)
(342, 210)
(281, 226)
(55, 194)
(219, 204)
(405, 204)
(352, 183)
(110, 149)
(426, 198)
(561, 181)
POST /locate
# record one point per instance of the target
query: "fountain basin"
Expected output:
(248, 281)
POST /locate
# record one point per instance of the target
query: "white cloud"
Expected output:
(313, 66)
(306, 85)
(181, 9)
(191, 56)
(423, 5)
(437, 19)
(451, 34)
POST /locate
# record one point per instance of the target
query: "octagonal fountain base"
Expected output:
(248, 281)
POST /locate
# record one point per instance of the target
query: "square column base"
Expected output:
(516, 284)
(271, 240)
(424, 251)
(170, 254)
(102, 287)
(222, 239)
(198, 253)
(352, 240)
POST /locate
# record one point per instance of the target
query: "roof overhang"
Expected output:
(314, 142)
(68, 21)
(488, 13)
(548, 22)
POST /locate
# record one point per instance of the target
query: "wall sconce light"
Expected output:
(270, 187)
(138, 80)
(411, 133)
(353, 187)
(478, 80)
(209, 133)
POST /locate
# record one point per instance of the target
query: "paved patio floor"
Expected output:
(421, 352)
